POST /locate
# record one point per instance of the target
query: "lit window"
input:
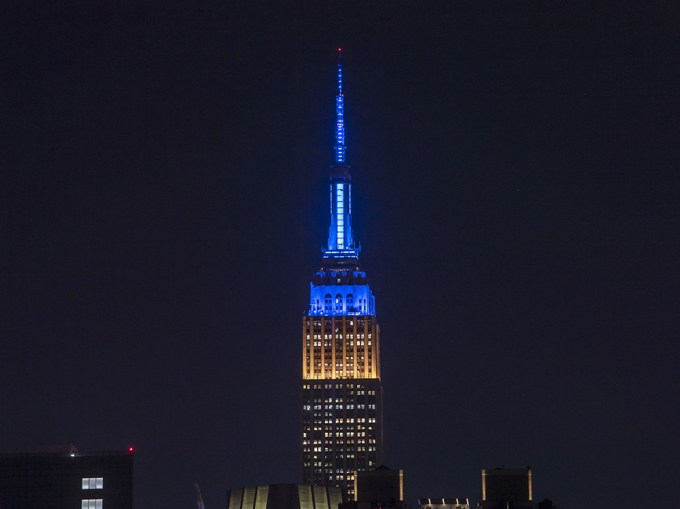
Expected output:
(92, 503)
(93, 483)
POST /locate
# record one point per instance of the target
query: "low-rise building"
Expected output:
(65, 478)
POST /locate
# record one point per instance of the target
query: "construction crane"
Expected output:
(199, 498)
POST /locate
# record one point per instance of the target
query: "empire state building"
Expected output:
(341, 388)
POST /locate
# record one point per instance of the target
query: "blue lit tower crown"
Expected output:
(340, 288)
(341, 388)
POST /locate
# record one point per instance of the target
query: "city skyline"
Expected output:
(164, 196)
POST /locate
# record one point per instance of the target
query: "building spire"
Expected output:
(341, 243)
(340, 147)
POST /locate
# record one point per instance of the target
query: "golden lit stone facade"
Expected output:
(340, 347)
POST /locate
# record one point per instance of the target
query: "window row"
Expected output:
(337, 305)
(93, 483)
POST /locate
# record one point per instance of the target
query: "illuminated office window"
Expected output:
(93, 483)
(92, 503)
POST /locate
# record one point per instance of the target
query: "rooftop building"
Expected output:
(64, 478)
(382, 487)
(503, 487)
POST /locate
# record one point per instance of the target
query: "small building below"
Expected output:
(64, 478)
(380, 487)
(505, 487)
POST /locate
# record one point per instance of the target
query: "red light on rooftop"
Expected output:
(131, 449)
(339, 50)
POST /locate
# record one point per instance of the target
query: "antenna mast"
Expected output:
(340, 147)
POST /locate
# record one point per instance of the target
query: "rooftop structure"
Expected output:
(64, 478)
(503, 487)
(285, 496)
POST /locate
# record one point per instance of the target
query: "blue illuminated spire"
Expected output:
(340, 240)
(340, 287)
(340, 147)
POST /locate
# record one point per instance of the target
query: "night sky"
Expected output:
(163, 202)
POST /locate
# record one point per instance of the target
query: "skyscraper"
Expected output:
(341, 388)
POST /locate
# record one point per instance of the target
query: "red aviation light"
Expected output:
(131, 450)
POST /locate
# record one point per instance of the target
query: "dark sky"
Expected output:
(164, 198)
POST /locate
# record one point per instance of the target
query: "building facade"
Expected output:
(67, 479)
(341, 387)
